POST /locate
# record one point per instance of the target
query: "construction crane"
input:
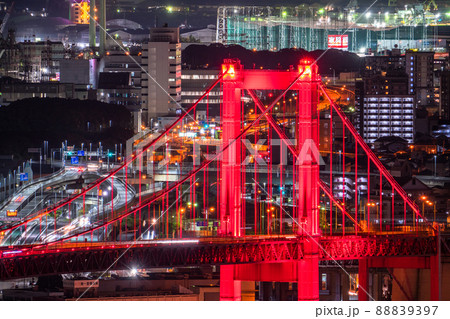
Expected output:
(427, 5)
(2, 26)
(5, 19)
(392, 3)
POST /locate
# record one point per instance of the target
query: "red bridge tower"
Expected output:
(304, 81)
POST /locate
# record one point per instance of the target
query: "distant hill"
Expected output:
(27, 123)
(198, 56)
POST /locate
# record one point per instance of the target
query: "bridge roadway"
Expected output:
(37, 260)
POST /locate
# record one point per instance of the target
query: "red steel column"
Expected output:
(435, 272)
(230, 186)
(308, 180)
(308, 274)
(230, 289)
(363, 275)
(308, 146)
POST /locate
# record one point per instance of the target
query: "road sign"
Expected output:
(74, 160)
(23, 177)
(80, 153)
(202, 224)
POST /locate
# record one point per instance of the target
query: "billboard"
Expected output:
(11, 213)
(338, 41)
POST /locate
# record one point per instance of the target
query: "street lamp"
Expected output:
(334, 76)
(430, 203)
(339, 167)
(424, 199)
(435, 165)
(45, 150)
(371, 204)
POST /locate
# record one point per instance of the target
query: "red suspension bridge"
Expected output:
(268, 191)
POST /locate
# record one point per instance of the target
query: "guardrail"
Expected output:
(23, 187)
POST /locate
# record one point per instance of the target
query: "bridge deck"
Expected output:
(30, 261)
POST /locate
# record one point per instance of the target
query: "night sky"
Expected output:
(61, 5)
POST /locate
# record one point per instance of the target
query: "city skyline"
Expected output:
(271, 154)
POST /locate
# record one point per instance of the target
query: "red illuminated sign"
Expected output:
(338, 41)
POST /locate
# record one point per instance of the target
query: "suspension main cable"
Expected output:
(206, 163)
(127, 161)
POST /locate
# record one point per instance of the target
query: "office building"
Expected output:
(161, 84)
(193, 85)
(40, 60)
(116, 61)
(16, 90)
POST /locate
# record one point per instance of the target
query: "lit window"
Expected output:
(324, 285)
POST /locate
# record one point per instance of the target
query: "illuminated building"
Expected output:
(276, 28)
(79, 11)
(444, 106)
(419, 67)
(21, 90)
(161, 57)
(40, 60)
(388, 116)
(193, 83)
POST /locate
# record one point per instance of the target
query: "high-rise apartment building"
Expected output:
(419, 67)
(444, 101)
(383, 96)
(161, 84)
(390, 115)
